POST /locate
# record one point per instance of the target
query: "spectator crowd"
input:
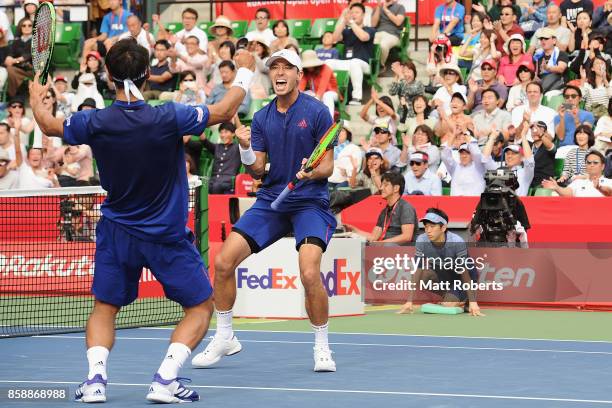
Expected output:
(521, 85)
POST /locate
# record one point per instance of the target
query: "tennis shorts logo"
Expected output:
(302, 123)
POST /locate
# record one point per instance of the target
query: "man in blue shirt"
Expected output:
(114, 23)
(285, 131)
(571, 116)
(448, 20)
(141, 161)
(434, 249)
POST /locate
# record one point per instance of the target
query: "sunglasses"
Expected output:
(449, 73)
(593, 163)
(571, 96)
(544, 38)
(16, 105)
(413, 163)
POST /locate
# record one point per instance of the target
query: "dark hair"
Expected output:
(194, 38)
(526, 69)
(227, 64)
(190, 11)
(6, 126)
(536, 83)
(410, 65)
(427, 107)
(575, 88)
(383, 166)
(128, 60)
(491, 90)
(52, 92)
(507, 7)
(585, 12)
(395, 179)
(480, 15)
(591, 71)
(361, 6)
(18, 32)
(193, 169)
(242, 43)
(230, 45)
(263, 10)
(596, 153)
(437, 211)
(386, 100)
(585, 129)
(163, 43)
(185, 74)
(279, 22)
(610, 107)
(349, 135)
(227, 126)
(427, 130)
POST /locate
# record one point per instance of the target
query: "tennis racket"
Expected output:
(43, 40)
(314, 160)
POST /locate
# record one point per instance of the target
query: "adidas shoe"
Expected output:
(216, 349)
(323, 360)
(93, 390)
(170, 391)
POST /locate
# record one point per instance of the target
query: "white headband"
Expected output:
(130, 87)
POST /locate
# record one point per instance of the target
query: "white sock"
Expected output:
(224, 324)
(321, 335)
(97, 356)
(176, 356)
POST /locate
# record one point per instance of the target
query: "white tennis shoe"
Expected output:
(93, 390)
(323, 360)
(216, 349)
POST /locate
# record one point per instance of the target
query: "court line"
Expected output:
(372, 345)
(405, 335)
(339, 391)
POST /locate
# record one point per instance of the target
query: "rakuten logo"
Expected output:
(50, 265)
(339, 282)
(274, 279)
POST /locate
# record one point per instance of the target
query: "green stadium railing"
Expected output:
(559, 167)
(342, 78)
(372, 78)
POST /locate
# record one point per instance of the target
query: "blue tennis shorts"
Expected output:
(120, 258)
(262, 226)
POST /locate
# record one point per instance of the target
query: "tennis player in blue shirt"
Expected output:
(139, 153)
(285, 132)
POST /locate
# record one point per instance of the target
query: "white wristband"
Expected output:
(243, 78)
(247, 156)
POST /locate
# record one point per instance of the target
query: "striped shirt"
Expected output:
(575, 163)
(594, 96)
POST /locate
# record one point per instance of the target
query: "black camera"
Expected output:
(498, 208)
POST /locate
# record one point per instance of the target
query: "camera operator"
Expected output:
(518, 158)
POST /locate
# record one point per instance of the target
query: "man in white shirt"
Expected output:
(135, 31)
(419, 180)
(8, 178)
(594, 185)
(262, 29)
(490, 116)
(533, 111)
(468, 173)
(189, 19)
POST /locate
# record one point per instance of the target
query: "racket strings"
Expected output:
(41, 39)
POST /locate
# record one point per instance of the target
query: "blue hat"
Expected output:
(434, 218)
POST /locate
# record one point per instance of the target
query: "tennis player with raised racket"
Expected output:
(283, 133)
(140, 157)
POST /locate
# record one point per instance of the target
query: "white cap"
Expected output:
(288, 55)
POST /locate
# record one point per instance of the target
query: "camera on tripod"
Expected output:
(499, 207)
(68, 219)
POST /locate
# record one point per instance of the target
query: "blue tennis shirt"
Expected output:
(139, 152)
(288, 138)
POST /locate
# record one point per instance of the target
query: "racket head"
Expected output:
(43, 40)
(324, 145)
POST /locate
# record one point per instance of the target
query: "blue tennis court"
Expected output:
(275, 370)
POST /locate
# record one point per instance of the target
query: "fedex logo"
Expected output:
(274, 279)
(339, 282)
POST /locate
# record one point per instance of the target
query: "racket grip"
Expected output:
(281, 197)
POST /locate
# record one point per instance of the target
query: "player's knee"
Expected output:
(203, 309)
(311, 278)
(223, 266)
(105, 308)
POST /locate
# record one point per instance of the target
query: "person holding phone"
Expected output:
(570, 116)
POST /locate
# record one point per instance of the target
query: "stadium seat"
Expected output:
(243, 184)
(320, 26)
(559, 167)
(553, 102)
(543, 192)
(67, 45)
(298, 28)
(240, 28)
(205, 26)
(342, 78)
(174, 27)
(375, 69)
